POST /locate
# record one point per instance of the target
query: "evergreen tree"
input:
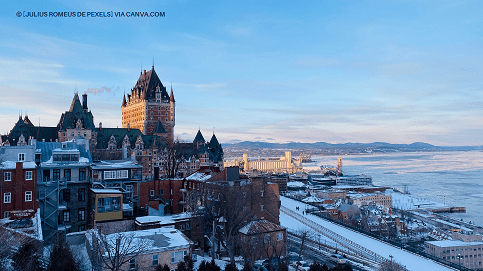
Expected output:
(61, 257)
(282, 266)
(246, 267)
(336, 268)
(189, 263)
(231, 267)
(182, 266)
(325, 267)
(213, 266)
(203, 266)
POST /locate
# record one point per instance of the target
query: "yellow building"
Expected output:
(106, 205)
(148, 107)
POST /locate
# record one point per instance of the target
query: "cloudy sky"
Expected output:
(274, 71)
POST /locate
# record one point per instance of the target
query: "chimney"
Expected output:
(128, 127)
(100, 126)
(84, 102)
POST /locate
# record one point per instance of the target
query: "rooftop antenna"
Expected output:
(153, 62)
(141, 68)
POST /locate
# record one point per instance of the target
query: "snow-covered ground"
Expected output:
(409, 202)
(411, 261)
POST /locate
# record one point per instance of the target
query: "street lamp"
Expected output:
(319, 241)
(459, 257)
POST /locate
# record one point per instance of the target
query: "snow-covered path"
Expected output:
(411, 261)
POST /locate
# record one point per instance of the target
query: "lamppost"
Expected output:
(459, 257)
(319, 241)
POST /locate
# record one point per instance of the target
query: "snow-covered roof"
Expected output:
(260, 226)
(105, 191)
(160, 239)
(453, 243)
(312, 199)
(198, 176)
(295, 184)
(12, 165)
(162, 220)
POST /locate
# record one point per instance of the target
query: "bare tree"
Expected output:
(10, 239)
(172, 155)
(114, 250)
(391, 266)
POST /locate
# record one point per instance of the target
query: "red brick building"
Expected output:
(18, 175)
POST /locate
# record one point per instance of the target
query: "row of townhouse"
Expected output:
(61, 180)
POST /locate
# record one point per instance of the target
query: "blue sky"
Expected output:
(274, 71)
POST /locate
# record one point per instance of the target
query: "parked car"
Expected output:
(301, 266)
(338, 259)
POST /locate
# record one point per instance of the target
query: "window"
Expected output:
(21, 156)
(28, 175)
(82, 227)
(28, 195)
(151, 193)
(266, 238)
(82, 174)
(108, 204)
(7, 214)
(155, 260)
(66, 215)
(132, 263)
(161, 191)
(244, 209)
(279, 236)
(81, 194)
(81, 216)
(7, 176)
(67, 174)
(7, 197)
(109, 175)
(261, 193)
(122, 174)
(261, 208)
(56, 173)
(66, 195)
(177, 256)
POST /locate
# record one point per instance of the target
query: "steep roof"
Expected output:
(160, 128)
(27, 129)
(147, 83)
(69, 118)
(199, 137)
(215, 150)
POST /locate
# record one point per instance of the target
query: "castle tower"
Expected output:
(148, 106)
